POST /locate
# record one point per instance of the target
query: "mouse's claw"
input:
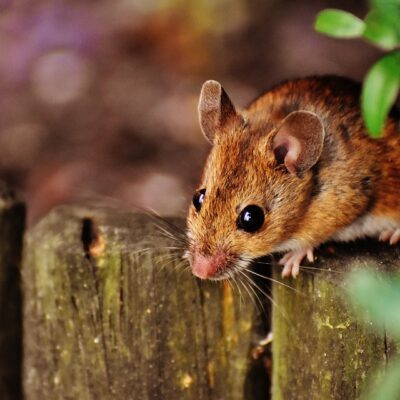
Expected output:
(390, 235)
(291, 261)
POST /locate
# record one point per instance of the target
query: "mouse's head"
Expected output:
(254, 185)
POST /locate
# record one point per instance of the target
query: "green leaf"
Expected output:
(376, 297)
(380, 89)
(381, 30)
(339, 24)
(386, 387)
(384, 4)
(390, 11)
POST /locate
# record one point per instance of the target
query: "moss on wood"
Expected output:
(321, 350)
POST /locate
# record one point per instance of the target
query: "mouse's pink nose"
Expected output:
(205, 267)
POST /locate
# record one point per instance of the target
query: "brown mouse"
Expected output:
(293, 170)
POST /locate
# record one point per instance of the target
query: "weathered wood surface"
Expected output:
(103, 319)
(321, 350)
(12, 221)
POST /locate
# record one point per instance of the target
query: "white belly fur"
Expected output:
(368, 226)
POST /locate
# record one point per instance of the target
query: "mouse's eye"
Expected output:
(198, 199)
(251, 218)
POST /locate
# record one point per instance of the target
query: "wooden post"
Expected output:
(321, 350)
(109, 316)
(12, 221)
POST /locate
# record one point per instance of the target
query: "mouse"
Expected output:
(293, 170)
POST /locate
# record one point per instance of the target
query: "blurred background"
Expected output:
(98, 99)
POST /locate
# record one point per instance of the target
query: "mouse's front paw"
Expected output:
(291, 261)
(391, 235)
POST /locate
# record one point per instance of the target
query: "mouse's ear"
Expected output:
(215, 109)
(298, 141)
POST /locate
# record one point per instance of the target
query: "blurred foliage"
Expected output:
(380, 89)
(339, 24)
(381, 27)
(376, 297)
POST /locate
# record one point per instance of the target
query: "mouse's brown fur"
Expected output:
(351, 190)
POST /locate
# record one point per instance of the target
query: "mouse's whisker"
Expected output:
(180, 266)
(137, 252)
(173, 227)
(249, 293)
(153, 214)
(175, 255)
(321, 269)
(182, 269)
(229, 282)
(169, 259)
(253, 284)
(252, 289)
(168, 234)
(179, 248)
(238, 265)
(241, 299)
(268, 278)
(273, 302)
(169, 226)
(268, 263)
